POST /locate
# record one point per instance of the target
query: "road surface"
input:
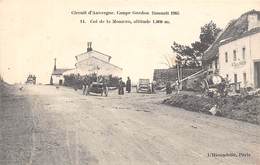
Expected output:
(43, 125)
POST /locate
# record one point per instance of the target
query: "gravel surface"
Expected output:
(43, 125)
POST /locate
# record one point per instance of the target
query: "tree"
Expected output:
(189, 56)
(169, 60)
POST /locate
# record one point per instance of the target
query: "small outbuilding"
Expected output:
(57, 77)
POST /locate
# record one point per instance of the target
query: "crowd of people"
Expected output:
(121, 85)
(89, 79)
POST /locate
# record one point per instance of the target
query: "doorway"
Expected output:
(257, 74)
(60, 82)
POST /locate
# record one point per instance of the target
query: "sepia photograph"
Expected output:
(120, 82)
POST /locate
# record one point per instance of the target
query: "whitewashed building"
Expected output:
(57, 77)
(93, 61)
(236, 52)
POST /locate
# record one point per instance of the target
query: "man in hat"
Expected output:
(128, 85)
(120, 86)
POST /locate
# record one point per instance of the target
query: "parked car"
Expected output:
(97, 88)
(31, 79)
(143, 86)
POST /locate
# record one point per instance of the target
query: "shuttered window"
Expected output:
(234, 55)
(244, 53)
(226, 57)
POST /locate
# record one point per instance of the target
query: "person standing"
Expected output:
(104, 82)
(120, 86)
(178, 86)
(168, 88)
(153, 86)
(123, 88)
(128, 85)
(84, 83)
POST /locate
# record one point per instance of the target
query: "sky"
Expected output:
(33, 33)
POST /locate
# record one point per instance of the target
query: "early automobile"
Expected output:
(97, 88)
(143, 86)
(31, 79)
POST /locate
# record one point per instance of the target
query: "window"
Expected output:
(244, 53)
(234, 55)
(227, 77)
(226, 57)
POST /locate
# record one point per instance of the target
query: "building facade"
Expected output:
(87, 63)
(57, 77)
(96, 62)
(239, 60)
(236, 52)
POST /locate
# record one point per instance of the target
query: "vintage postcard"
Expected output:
(141, 82)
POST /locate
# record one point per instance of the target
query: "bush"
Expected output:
(73, 81)
(76, 81)
(234, 107)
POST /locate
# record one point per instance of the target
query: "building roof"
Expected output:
(59, 71)
(236, 29)
(102, 61)
(171, 73)
(248, 33)
(93, 51)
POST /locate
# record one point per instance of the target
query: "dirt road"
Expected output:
(42, 125)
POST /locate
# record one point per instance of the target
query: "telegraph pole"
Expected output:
(54, 64)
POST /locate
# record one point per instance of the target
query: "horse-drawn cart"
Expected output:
(215, 85)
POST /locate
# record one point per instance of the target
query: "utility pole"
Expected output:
(179, 77)
(54, 64)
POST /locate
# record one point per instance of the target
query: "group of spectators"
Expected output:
(122, 84)
(89, 79)
(84, 82)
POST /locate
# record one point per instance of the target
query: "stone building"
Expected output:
(93, 61)
(236, 52)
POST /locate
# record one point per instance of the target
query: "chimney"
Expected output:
(253, 20)
(54, 64)
(89, 47)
